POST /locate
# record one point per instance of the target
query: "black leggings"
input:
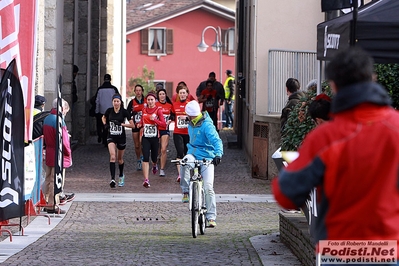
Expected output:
(181, 141)
(150, 145)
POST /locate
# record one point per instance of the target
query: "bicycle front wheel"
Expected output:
(194, 210)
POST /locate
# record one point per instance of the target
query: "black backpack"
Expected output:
(38, 124)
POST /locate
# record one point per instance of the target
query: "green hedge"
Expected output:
(299, 122)
(388, 76)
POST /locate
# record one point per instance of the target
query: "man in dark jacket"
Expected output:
(294, 95)
(103, 102)
(219, 100)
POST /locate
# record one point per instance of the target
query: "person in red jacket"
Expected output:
(180, 133)
(49, 138)
(168, 113)
(135, 107)
(152, 120)
(353, 160)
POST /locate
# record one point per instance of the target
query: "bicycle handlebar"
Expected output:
(197, 162)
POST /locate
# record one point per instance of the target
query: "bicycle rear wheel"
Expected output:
(194, 210)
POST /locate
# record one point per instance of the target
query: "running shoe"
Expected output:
(185, 198)
(70, 197)
(112, 184)
(121, 182)
(155, 169)
(55, 211)
(161, 172)
(139, 166)
(211, 223)
(178, 179)
(63, 201)
(146, 183)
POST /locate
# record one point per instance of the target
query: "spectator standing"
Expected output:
(292, 87)
(229, 98)
(319, 109)
(352, 160)
(114, 120)
(103, 102)
(135, 107)
(151, 120)
(209, 103)
(205, 143)
(40, 101)
(168, 113)
(220, 95)
(180, 133)
(38, 116)
(49, 136)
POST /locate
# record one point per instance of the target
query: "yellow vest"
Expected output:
(227, 89)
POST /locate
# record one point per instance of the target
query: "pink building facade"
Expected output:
(178, 58)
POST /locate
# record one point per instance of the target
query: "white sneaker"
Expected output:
(161, 172)
(291, 211)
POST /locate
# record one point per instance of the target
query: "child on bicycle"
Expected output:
(205, 143)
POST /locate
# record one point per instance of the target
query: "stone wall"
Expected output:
(294, 233)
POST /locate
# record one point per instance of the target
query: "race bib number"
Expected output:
(209, 103)
(150, 131)
(182, 121)
(166, 117)
(137, 117)
(115, 129)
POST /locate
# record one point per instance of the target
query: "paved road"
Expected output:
(138, 226)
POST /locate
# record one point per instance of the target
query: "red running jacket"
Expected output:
(354, 162)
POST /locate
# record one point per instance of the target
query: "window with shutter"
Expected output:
(169, 41)
(144, 41)
(225, 41)
(157, 41)
(169, 89)
(231, 41)
(228, 41)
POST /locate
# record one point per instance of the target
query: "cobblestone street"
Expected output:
(151, 233)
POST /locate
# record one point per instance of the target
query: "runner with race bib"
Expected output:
(151, 120)
(136, 106)
(168, 113)
(114, 120)
(180, 133)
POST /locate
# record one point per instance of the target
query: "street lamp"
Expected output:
(216, 46)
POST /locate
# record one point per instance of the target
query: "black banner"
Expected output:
(12, 125)
(59, 156)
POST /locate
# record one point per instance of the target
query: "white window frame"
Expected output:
(151, 38)
(230, 37)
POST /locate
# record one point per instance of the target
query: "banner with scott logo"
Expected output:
(18, 21)
(59, 156)
(12, 144)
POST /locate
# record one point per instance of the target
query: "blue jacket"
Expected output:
(205, 142)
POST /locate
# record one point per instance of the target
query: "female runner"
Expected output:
(136, 106)
(180, 134)
(151, 120)
(114, 120)
(167, 109)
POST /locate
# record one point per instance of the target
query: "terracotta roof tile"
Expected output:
(143, 12)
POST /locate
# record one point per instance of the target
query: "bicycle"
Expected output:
(196, 195)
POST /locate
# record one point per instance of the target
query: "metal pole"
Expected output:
(220, 77)
(354, 23)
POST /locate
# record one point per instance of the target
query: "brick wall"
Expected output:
(294, 233)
